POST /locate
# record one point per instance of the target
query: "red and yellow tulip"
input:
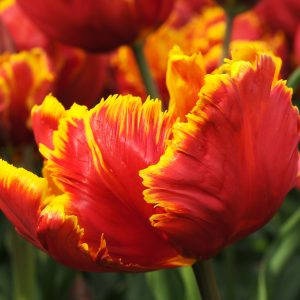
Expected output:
(126, 186)
(25, 79)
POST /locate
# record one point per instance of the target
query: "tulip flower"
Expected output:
(95, 25)
(128, 187)
(25, 79)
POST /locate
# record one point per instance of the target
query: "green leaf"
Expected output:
(277, 260)
(137, 287)
(106, 286)
(166, 284)
(190, 284)
(54, 279)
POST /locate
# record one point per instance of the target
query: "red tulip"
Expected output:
(97, 25)
(128, 187)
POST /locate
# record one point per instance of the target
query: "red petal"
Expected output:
(61, 236)
(96, 159)
(229, 168)
(21, 194)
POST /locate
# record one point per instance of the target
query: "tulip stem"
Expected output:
(294, 79)
(227, 37)
(22, 266)
(206, 280)
(149, 83)
(229, 272)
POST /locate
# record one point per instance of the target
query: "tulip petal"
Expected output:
(61, 236)
(21, 194)
(228, 168)
(95, 160)
(185, 77)
(45, 119)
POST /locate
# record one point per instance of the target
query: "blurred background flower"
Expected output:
(97, 25)
(25, 79)
(77, 75)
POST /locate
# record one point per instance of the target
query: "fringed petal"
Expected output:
(64, 239)
(61, 236)
(21, 194)
(95, 160)
(228, 169)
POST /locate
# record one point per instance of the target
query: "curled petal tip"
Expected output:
(45, 119)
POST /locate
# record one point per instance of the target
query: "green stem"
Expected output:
(23, 267)
(205, 277)
(227, 38)
(149, 83)
(294, 79)
(22, 254)
(229, 272)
